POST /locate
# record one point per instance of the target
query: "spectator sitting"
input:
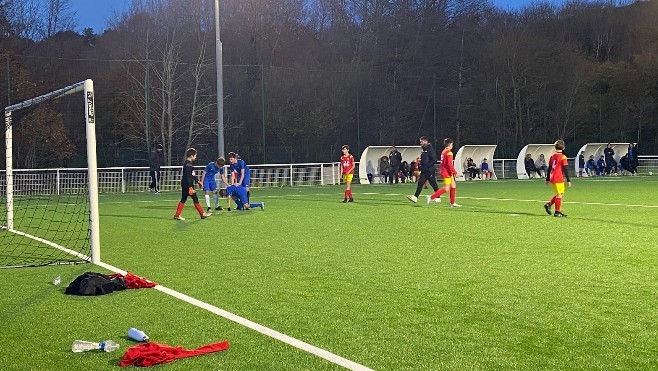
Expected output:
(625, 165)
(530, 167)
(484, 169)
(384, 169)
(540, 164)
(590, 166)
(404, 170)
(472, 169)
(600, 166)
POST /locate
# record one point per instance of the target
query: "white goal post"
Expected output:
(477, 153)
(369, 161)
(90, 121)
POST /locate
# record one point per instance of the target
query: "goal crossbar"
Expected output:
(90, 122)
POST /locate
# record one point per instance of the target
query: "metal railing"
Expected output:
(137, 179)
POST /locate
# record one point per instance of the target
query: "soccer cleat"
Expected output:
(547, 207)
(412, 198)
(429, 199)
(344, 200)
(262, 205)
(208, 209)
(178, 217)
(350, 199)
(438, 199)
(559, 214)
(455, 205)
(219, 208)
(205, 215)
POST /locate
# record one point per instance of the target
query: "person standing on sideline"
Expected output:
(581, 164)
(427, 169)
(448, 173)
(395, 159)
(347, 170)
(187, 183)
(558, 170)
(610, 162)
(156, 160)
(209, 183)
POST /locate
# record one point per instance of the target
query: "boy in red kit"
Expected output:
(448, 173)
(347, 170)
(555, 175)
(187, 185)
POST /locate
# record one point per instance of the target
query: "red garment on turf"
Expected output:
(149, 354)
(133, 281)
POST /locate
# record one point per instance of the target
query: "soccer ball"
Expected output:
(651, 173)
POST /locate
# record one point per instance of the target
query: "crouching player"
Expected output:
(209, 183)
(238, 194)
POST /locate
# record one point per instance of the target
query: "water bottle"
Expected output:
(57, 280)
(137, 335)
(80, 346)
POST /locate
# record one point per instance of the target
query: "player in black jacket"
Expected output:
(427, 169)
(187, 183)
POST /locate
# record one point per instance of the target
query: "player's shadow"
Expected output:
(479, 209)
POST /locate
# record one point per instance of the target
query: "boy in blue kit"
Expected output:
(238, 194)
(239, 166)
(209, 183)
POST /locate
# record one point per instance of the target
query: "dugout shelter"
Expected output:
(535, 150)
(477, 153)
(369, 161)
(596, 149)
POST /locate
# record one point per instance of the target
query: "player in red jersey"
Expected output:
(347, 170)
(448, 173)
(555, 175)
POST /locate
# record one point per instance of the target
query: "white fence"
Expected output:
(137, 179)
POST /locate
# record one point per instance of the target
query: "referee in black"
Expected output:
(427, 169)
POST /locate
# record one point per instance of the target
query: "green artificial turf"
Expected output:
(494, 285)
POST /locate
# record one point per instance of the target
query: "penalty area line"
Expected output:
(336, 359)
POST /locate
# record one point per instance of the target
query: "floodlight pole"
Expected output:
(220, 84)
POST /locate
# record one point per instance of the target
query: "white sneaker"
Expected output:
(455, 205)
(178, 217)
(438, 199)
(412, 198)
(205, 215)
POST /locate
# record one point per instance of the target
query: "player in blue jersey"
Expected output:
(209, 183)
(238, 194)
(240, 167)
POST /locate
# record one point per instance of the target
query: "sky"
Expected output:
(95, 13)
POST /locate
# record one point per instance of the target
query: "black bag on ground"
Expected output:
(92, 283)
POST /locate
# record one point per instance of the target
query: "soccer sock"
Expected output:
(208, 200)
(179, 209)
(199, 209)
(216, 200)
(349, 192)
(438, 193)
(453, 195)
(346, 193)
(248, 196)
(558, 204)
(552, 201)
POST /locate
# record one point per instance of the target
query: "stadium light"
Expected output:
(220, 85)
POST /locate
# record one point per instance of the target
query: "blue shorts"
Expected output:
(246, 182)
(209, 185)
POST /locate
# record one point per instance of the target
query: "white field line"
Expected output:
(351, 365)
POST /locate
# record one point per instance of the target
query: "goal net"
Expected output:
(47, 216)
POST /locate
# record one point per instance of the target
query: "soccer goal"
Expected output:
(48, 216)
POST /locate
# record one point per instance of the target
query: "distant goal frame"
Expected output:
(87, 87)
